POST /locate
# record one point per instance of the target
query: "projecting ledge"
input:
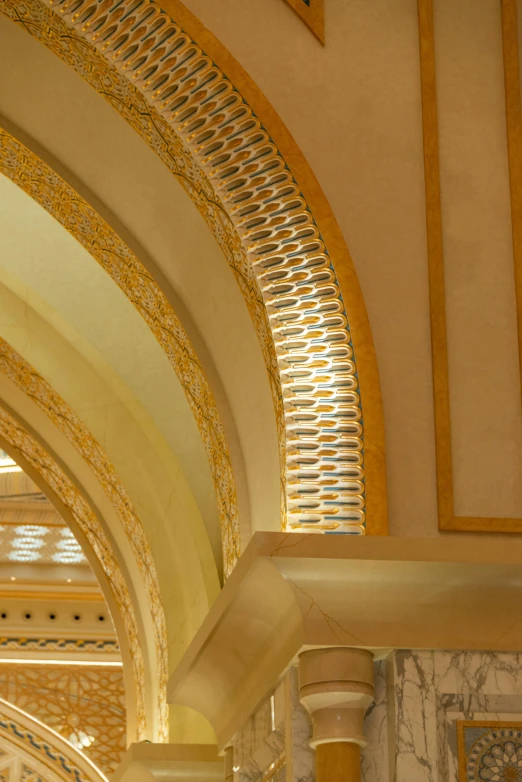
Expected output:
(290, 592)
(146, 762)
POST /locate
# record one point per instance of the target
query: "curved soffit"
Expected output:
(48, 261)
(182, 555)
(189, 102)
(44, 266)
(44, 396)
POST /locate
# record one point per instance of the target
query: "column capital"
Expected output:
(336, 688)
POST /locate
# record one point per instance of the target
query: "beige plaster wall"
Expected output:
(354, 108)
(155, 484)
(479, 264)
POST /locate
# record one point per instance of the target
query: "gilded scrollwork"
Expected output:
(47, 188)
(17, 437)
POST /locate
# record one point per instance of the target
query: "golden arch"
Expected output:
(332, 457)
(58, 198)
(39, 461)
(17, 440)
(31, 749)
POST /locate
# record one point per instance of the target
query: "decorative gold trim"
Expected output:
(439, 348)
(48, 189)
(376, 501)
(514, 145)
(264, 226)
(45, 397)
(41, 594)
(312, 14)
(26, 450)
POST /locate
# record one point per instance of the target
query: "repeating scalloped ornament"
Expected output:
(186, 109)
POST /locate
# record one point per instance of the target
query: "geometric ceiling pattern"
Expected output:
(84, 705)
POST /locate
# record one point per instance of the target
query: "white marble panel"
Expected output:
(489, 673)
(374, 757)
(298, 747)
(430, 691)
(415, 717)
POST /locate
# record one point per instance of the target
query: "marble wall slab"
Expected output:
(280, 731)
(430, 691)
(375, 756)
(276, 737)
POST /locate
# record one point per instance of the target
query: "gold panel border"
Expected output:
(439, 346)
(26, 449)
(261, 221)
(312, 15)
(514, 143)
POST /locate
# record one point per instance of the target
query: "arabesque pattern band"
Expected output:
(58, 198)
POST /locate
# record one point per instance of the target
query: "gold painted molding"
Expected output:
(312, 14)
(376, 499)
(30, 453)
(81, 220)
(39, 391)
(42, 594)
(439, 346)
(514, 145)
(264, 223)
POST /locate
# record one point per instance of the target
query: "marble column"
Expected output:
(336, 688)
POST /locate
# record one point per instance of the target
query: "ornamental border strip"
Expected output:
(16, 436)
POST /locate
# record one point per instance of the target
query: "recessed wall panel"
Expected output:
(484, 378)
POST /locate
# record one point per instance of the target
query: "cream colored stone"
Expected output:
(336, 687)
(170, 762)
(290, 593)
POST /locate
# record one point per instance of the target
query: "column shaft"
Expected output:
(338, 761)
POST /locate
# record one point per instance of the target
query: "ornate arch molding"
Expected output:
(32, 456)
(22, 444)
(180, 101)
(78, 217)
(29, 749)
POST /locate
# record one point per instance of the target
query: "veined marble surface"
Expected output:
(411, 727)
(374, 757)
(279, 730)
(299, 754)
(431, 691)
